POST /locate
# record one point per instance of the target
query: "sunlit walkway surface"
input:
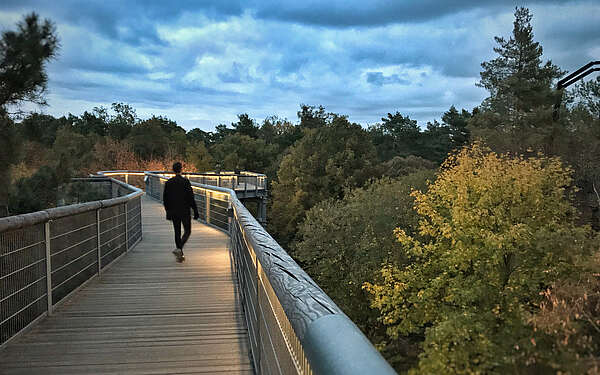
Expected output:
(147, 314)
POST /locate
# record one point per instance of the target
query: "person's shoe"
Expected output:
(176, 252)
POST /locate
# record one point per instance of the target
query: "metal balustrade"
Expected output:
(247, 182)
(294, 327)
(47, 255)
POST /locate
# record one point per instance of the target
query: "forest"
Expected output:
(467, 246)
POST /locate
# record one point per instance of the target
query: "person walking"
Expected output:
(178, 199)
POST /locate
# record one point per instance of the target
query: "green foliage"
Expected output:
(344, 242)
(588, 95)
(517, 116)
(494, 232)
(396, 136)
(158, 137)
(457, 123)
(121, 124)
(318, 167)
(40, 128)
(517, 80)
(94, 122)
(403, 166)
(241, 152)
(198, 155)
(246, 126)
(23, 55)
(312, 117)
(35, 193)
(71, 154)
(197, 135)
(9, 155)
(281, 133)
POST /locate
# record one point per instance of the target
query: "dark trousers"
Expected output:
(186, 220)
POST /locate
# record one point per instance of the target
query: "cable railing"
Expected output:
(293, 326)
(46, 256)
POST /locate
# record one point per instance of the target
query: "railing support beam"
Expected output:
(48, 266)
(98, 235)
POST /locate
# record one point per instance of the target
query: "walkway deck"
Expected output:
(147, 314)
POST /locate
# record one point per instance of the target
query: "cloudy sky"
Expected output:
(201, 63)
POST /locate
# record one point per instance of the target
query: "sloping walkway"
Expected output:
(147, 314)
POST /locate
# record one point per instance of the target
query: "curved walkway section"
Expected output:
(147, 314)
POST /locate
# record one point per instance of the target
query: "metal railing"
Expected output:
(238, 181)
(293, 326)
(47, 255)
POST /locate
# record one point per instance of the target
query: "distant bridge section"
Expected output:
(248, 186)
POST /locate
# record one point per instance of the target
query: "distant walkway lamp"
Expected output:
(569, 80)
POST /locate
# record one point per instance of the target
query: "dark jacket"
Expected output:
(178, 197)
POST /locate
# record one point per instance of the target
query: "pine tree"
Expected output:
(518, 80)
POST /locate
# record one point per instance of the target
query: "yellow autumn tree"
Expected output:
(495, 231)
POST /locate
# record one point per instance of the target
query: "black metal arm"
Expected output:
(569, 80)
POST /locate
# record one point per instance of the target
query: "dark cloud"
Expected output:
(342, 13)
(379, 79)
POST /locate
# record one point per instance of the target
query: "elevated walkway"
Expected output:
(146, 314)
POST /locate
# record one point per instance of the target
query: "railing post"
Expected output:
(48, 267)
(98, 235)
(207, 206)
(218, 180)
(126, 178)
(126, 230)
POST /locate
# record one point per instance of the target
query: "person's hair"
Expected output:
(177, 167)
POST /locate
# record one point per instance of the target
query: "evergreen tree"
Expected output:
(517, 79)
(23, 55)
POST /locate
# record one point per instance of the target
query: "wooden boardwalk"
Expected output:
(147, 314)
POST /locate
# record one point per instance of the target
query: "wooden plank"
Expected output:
(147, 314)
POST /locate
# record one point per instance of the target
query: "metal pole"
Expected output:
(126, 229)
(207, 206)
(98, 235)
(48, 267)
(127, 178)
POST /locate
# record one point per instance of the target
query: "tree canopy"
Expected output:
(23, 57)
(495, 230)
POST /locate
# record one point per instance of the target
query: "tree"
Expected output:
(246, 126)
(279, 132)
(312, 117)
(517, 79)
(198, 156)
(344, 242)
(197, 135)
(9, 155)
(122, 122)
(494, 232)
(404, 166)
(40, 128)
(319, 167)
(95, 122)
(71, 154)
(23, 56)
(397, 135)
(588, 95)
(457, 122)
(517, 116)
(242, 152)
(158, 137)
